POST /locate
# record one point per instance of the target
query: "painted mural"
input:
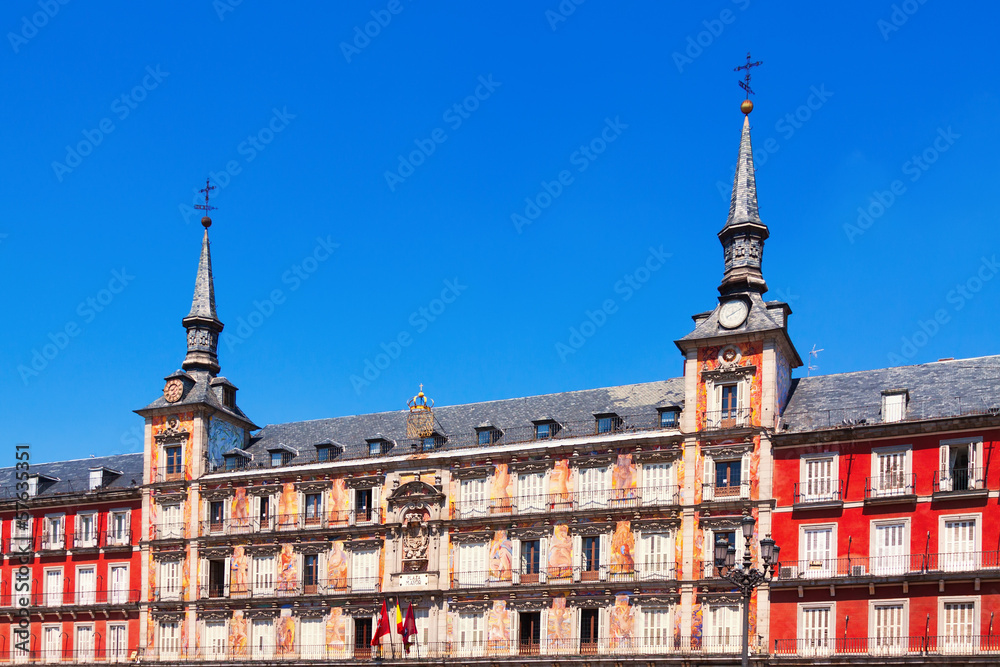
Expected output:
(559, 482)
(622, 622)
(239, 572)
(286, 568)
(239, 511)
(624, 478)
(560, 561)
(498, 626)
(697, 620)
(285, 643)
(501, 557)
(501, 489)
(186, 513)
(336, 566)
(186, 573)
(622, 557)
(698, 544)
(559, 632)
(679, 553)
(238, 635)
(336, 631)
(222, 436)
(708, 360)
(288, 507)
(154, 517)
(185, 422)
(340, 503)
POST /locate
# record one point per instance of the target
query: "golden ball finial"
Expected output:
(746, 107)
(206, 222)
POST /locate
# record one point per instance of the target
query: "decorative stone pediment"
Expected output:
(529, 605)
(362, 545)
(590, 529)
(172, 433)
(471, 606)
(261, 613)
(708, 597)
(532, 533)
(472, 472)
(365, 482)
(729, 373)
(526, 467)
(416, 494)
(219, 493)
(167, 616)
(312, 612)
(170, 498)
(657, 456)
(476, 536)
(263, 549)
(594, 461)
(167, 556)
(657, 525)
(216, 552)
(214, 614)
(261, 490)
(671, 598)
(314, 486)
(363, 610)
(728, 450)
(312, 548)
(724, 522)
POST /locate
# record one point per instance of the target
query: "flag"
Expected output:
(409, 628)
(383, 625)
(399, 618)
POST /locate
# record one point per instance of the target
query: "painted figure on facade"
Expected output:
(286, 569)
(624, 477)
(560, 553)
(623, 548)
(336, 633)
(286, 634)
(498, 626)
(501, 487)
(560, 625)
(501, 557)
(559, 482)
(336, 567)
(239, 572)
(288, 507)
(238, 634)
(340, 503)
(240, 512)
(622, 622)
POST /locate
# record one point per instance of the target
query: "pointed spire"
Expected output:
(743, 204)
(202, 323)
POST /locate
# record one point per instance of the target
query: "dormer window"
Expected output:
(608, 423)
(96, 478)
(327, 451)
(229, 397)
(894, 405)
(33, 486)
(487, 435)
(545, 429)
(236, 459)
(432, 442)
(281, 455)
(379, 446)
(670, 417)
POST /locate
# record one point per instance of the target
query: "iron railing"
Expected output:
(715, 420)
(292, 522)
(890, 485)
(169, 474)
(102, 539)
(291, 588)
(712, 491)
(73, 598)
(57, 656)
(892, 565)
(955, 644)
(957, 480)
(543, 575)
(568, 502)
(821, 491)
(168, 531)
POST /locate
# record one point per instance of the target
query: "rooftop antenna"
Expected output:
(813, 354)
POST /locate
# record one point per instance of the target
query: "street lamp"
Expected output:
(744, 576)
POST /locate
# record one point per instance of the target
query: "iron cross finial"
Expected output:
(745, 83)
(207, 190)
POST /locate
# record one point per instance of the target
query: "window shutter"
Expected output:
(377, 504)
(637, 629)
(577, 557)
(642, 555)
(543, 560)
(515, 557)
(708, 488)
(203, 575)
(944, 474)
(543, 633)
(709, 561)
(605, 546)
(512, 631)
(603, 625)
(745, 475)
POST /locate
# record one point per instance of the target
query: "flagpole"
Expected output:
(392, 646)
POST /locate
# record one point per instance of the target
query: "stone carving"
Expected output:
(415, 541)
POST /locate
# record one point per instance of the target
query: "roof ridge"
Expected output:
(890, 368)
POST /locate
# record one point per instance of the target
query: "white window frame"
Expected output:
(819, 496)
(888, 645)
(169, 581)
(471, 633)
(662, 491)
(472, 563)
(709, 541)
(713, 394)
(826, 567)
(60, 540)
(951, 561)
(79, 541)
(879, 487)
(657, 639)
(169, 636)
(598, 479)
(713, 636)
(262, 644)
(976, 476)
(81, 596)
(117, 595)
(113, 539)
(893, 402)
(947, 644)
(87, 652)
(889, 564)
(531, 499)
(821, 646)
(216, 643)
(312, 647)
(117, 651)
(171, 529)
(656, 569)
(473, 497)
(53, 598)
(52, 654)
(360, 581)
(263, 574)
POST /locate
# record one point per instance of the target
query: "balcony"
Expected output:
(171, 473)
(57, 656)
(931, 565)
(53, 541)
(914, 647)
(577, 574)
(960, 483)
(821, 494)
(14, 546)
(568, 502)
(722, 493)
(79, 598)
(168, 531)
(290, 589)
(720, 420)
(891, 488)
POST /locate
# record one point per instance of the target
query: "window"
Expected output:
(229, 397)
(174, 463)
(264, 513)
(657, 484)
(961, 466)
(546, 429)
(366, 505)
(472, 498)
(33, 486)
(431, 443)
(378, 446)
(362, 637)
(471, 633)
(894, 405)
(216, 514)
(887, 627)
(471, 564)
(96, 479)
(310, 572)
(314, 509)
(958, 625)
(313, 642)
(531, 561)
(118, 575)
(818, 475)
(51, 649)
(657, 629)
(281, 458)
(217, 579)
(118, 529)
(816, 630)
(53, 587)
(656, 556)
(890, 550)
(117, 642)
(593, 487)
(20, 536)
(670, 418)
(531, 492)
(890, 472)
(591, 558)
(54, 537)
(86, 585)
(727, 536)
(487, 436)
(959, 543)
(722, 632)
(263, 576)
(84, 643)
(170, 639)
(422, 617)
(610, 423)
(590, 620)
(86, 530)
(171, 527)
(817, 548)
(529, 632)
(262, 639)
(726, 479)
(170, 580)
(364, 570)
(215, 639)
(324, 454)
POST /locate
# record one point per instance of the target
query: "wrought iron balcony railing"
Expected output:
(60, 656)
(291, 522)
(891, 565)
(890, 485)
(83, 597)
(819, 492)
(545, 574)
(716, 420)
(102, 539)
(286, 589)
(958, 480)
(721, 492)
(568, 502)
(889, 645)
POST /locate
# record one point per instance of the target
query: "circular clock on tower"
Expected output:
(173, 390)
(733, 313)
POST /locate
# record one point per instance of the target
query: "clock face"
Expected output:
(733, 313)
(173, 390)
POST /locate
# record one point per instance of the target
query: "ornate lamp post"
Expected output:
(743, 575)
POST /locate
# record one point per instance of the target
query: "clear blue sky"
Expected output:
(200, 79)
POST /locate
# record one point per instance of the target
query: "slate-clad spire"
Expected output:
(744, 234)
(202, 323)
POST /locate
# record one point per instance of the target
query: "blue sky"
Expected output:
(116, 112)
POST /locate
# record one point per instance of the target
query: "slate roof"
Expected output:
(936, 390)
(743, 204)
(74, 476)
(574, 410)
(200, 394)
(763, 316)
(203, 303)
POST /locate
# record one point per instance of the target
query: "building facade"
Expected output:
(69, 579)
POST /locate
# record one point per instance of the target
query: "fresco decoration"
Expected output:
(698, 550)
(784, 380)
(622, 558)
(238, 634)
(624, 478)
(158, 424)
(559, 630)
(498, 626)
(501, 489)
(239, 509)
(453, 496)
(185, 624)
(154, 518)
(287, 574)
(285, 643)
(560, 557)
(501, 557)
(699, 474)
(697, 621)
(150, 632)
(336, 632)
(622, 622)
(753, 614)
(239, 572)
(288, 507)
(755, 469)
(186, 575)
(186, 513)
(559, 482)
(222, 436)
(336, 567)
(708, 360)
(340, 503)
(450, 627)
(679, 553)
(677, 624)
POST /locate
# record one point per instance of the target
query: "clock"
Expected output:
(173, 390)
(733, 313)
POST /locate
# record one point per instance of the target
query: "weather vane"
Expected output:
(747, 105)
(206, 221)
